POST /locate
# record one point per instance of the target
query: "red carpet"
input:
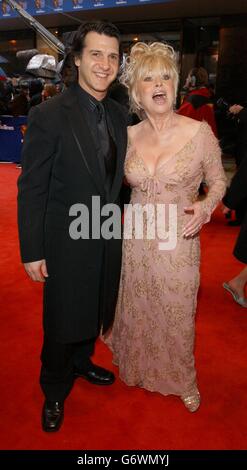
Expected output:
(119, 417)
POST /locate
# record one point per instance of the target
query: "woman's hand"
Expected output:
(198, 219)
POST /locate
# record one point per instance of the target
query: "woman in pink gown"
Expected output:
(168, 156)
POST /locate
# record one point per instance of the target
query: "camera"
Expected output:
(222, 105)
(223, 109)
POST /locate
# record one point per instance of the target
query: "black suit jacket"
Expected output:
(236, 195)
(241, 144)
(61, 168)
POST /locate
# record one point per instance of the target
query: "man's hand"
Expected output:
(37, 270)
(235, 108)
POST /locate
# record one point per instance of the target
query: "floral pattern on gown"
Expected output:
(153, 333)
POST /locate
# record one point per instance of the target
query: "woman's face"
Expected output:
(155, 93)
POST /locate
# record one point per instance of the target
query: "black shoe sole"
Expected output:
(94, 382)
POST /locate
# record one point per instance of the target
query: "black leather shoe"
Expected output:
(234, 223)
(95, 375)
(52, 416)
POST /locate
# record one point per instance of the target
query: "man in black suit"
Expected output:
(73, 154)
(236, 196)
(240, 114)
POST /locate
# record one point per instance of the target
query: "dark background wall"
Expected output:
(232, 64)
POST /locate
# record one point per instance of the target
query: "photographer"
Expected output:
(240, 114)
(236, 196)
(198, 103)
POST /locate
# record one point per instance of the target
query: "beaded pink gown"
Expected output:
(153, 333)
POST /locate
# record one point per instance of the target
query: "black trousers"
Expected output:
(241, 210)
(58, 362)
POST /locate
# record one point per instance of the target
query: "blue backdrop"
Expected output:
(40, 7)
(11, 138)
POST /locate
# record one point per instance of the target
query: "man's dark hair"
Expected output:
(69, 70)
(100, 27)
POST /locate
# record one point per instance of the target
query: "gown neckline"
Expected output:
(158, 168)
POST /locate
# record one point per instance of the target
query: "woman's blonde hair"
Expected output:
(143, 59)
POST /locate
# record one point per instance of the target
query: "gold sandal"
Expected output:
(191, 402)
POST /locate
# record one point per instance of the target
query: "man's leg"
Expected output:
(84, 367)
(56, 380)
(83, 352)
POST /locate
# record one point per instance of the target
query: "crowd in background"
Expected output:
(17, 95)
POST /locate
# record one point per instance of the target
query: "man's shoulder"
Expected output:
(118, 108)
(53, 105)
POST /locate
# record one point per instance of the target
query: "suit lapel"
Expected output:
(120, 138)
(83, 138)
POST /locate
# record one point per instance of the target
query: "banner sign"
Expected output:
(41, 7)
